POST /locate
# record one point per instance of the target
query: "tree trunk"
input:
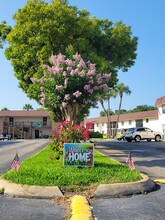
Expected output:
(117, 121)
(108, 118)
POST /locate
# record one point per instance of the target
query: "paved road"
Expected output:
(24, 148)
(30, 209)
(149, 158)
(139, 207)
(25, 209)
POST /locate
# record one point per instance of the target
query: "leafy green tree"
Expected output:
(5, 109)
(27, 107)
(141, 108)
(42, 29)
(122, 111)
(4, 31)
(122, 89)
(103, 114)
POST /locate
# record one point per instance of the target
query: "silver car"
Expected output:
(142, 133)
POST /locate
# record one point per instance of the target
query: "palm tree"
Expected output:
(121, 88)
(27, 107)
(112, 92)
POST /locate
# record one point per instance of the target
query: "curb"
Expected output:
(80, 208)
(26, 191)
(125, 189)
(159, 181)
(103, 190)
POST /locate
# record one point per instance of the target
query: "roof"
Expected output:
(24, 113)
(152, 114)
(160, 101)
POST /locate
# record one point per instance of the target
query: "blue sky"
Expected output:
(146, 79)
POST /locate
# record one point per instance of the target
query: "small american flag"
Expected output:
(130, 162)
(15, 163)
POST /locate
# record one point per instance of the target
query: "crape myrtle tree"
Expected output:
(43, 29)
(69, 86)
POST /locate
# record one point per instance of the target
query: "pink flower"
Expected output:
(92, 66)
(105, 87)
(58, 97)
(66, 81)
(60, 58)
(77, 57)
(69, 62)
(86, 87)
(81, 64)
(56, 69)
(91, 72)
(91, 81)
(77, 94)
(82, 73)
(59, 87)
(67, 97)
(64, 73)
(64, 104)
(99, 80)
(69, 68)
(95, 88)
(72, 72)
(90, 91)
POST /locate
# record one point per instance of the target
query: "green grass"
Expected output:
(40, 170)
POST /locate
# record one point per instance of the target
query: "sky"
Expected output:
(146, 79)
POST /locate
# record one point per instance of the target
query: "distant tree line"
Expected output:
(138, 108)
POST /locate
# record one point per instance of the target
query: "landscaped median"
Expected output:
(42, 177)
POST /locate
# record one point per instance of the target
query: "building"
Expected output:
(154, 119)
(38, 124)
(26, 124)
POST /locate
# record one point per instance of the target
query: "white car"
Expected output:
(142, 133)
(7, 137)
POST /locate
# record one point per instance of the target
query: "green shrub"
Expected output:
(96, 134)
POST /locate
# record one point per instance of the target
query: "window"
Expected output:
(130, 122)
(163, 109)
(141, 129)
(44, 121)
(102, 124)
(97, 125)
(147, 120)
(139, 123)
(11, 121)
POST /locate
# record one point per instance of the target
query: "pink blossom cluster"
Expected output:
(74, 80)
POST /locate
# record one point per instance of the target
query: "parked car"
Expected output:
(5, 137)
(142, 133)
(120, 135)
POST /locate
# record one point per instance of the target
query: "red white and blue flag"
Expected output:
(15, 163)
(130, 162)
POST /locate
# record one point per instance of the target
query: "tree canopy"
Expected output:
(138, 108)
(43, 29)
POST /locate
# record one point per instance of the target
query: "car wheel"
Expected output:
(137, 138)
(129, 140)
(148, 140)
(157, 138)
